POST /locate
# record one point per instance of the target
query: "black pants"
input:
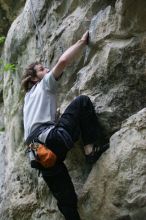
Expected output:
(63, 190)
(79, 118)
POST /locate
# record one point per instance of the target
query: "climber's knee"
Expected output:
(83, 99)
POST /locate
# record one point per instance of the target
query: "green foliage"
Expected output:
(1, 62)
(9, 66)
(2, 40)
(2, 129)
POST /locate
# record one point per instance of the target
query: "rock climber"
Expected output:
(79, 118)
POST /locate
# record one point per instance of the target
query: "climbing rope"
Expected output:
(38, 33)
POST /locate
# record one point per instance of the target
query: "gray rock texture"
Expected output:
(111, 70)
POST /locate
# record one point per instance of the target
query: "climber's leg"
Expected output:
(55, 143)
(63, 190)
(80, 117)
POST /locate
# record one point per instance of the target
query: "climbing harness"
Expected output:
(38, 33)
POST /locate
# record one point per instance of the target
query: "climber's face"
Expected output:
(41, 71)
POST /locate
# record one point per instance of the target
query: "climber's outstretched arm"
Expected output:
(69, 55)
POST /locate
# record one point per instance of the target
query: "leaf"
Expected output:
(9, 66)
(2, 39)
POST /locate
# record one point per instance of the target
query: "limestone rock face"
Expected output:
(116, 185)
(111, 71)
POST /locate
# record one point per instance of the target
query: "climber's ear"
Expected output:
(47, 68)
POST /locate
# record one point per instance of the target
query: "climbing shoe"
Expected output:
(96, 153)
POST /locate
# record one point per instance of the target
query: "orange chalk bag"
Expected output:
(40, 156)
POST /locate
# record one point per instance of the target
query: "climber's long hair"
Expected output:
(26, 82)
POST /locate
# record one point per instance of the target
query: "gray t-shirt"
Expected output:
(40, 104)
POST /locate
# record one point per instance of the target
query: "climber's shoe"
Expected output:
(96, 153)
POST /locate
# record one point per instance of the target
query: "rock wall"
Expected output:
(8, 12)
(111, 71)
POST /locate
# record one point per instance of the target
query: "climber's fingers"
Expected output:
(85, 37)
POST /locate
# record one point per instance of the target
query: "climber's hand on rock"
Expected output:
(85, 37)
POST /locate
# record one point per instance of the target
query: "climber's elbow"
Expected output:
(63, 62)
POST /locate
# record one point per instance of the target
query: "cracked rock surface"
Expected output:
(111, 71)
